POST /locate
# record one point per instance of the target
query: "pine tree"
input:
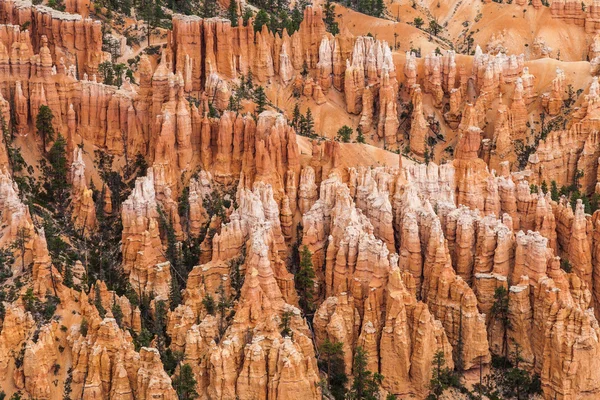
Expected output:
(295, 123)
(379, 10)
(98, 302)
(344, 134)
(438, 382)
(434, 27)
(305, 280)
(54, 172)
(185, 383)
(250, 81)
(209, 304)
(296, 18)
(333, 362)
(174, 293)
(246, 15)
(366, 383)
(262, 18)
(20, 243)
(160, 317)
(418, 22)
(68, 276)
(117, 313)
(500, 313)
(554, 194)
(151, 11)
(232, 12)
(209, 9)
(329, 19)
(234, 103)
(284, 325)
(544, 187)
(309, 124)
(223, 305)
(43, 125)
(360, 138)
(261, 100)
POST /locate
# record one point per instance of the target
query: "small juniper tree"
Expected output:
(344, 134)
(360, 138)
(418, 22)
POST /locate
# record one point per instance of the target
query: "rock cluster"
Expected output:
(72, 38)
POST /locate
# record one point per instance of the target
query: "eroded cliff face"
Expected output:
(409, 256)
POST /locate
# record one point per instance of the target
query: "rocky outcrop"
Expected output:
(82, 202)
(75, 39)
(201, 47)
(143, 259)
(419, 128)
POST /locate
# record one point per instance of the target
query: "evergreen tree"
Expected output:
(344, 134)
(20, 243)
(106, 71)
(309, 124)
(333, 362)
(174, 293)
(232, 12)
(234, 103)
(434, 27)
(499, 312)
(223, 305)
(54, 173)
(554, 194)
(284, 325)
(360, 138)
(305, 280)
(261, 100)
(43, 125)
(544, 187)
(98, 302)
(209, 9)
(160, 317)
(379, 8)
(262, 18)
(151, 12)
(329, 19)
(117, 313)
(418, 22)
(296, 18)
(68, 276)
(246, 15)
(209, 304)
(366, 383)
(185, 383)
(296, 116)
(441, 378)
